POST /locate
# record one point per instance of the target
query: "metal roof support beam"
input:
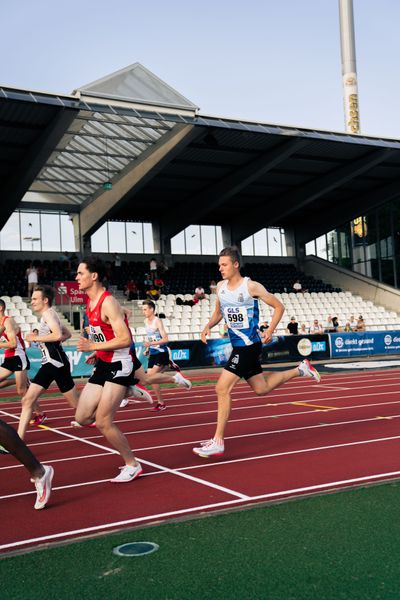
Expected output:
(346, 209)
(15, 188)
(322, 185)
(234, 183)
(135, 175)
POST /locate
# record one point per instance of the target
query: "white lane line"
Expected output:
(216, 505)
(151, 464)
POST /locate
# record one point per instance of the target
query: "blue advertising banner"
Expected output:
(364, 343)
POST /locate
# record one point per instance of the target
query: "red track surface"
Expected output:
(302, 438)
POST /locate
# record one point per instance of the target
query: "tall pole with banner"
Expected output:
(352, 122)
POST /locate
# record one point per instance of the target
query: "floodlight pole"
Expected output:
(349, 67)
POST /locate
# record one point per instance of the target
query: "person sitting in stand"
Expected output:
(213, 287)
(303, 329)
(347, 327)
(360, 324)
(131, 290)
(199, 293)
(353, 323)
(153, 293)
(292, 327)
(316, 327)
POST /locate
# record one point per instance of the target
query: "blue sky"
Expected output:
(273, 61)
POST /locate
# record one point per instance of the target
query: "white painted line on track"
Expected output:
(217, 505)
(146, 462)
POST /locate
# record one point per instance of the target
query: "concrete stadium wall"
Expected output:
(369, 289)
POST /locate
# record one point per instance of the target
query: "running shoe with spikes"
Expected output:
(139, 393)
(38, 419)
(78, 425)
(307, 370)
(182, 381)
(3, 450)
(124, 403)
(210, 448)
(128, 473)
(158, 407)
(43, 487)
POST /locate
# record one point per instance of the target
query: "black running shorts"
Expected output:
(61, 375)
(121, 372)
(245, 361)
(161, 359)
(15, 363)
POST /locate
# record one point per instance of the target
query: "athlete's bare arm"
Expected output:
(214, 319)
(11, 329)
(53, 322)
(65, 332)
(257, 290)
(112, 313)
(163, 333)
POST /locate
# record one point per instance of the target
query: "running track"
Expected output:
(303, 438)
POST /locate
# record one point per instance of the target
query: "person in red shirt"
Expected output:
(116, 365)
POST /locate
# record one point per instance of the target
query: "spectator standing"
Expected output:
(153, 268)
(297, 287)
(32, 277)
(131, 290)
(292, 326)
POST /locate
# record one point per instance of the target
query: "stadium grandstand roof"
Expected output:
(168, 163)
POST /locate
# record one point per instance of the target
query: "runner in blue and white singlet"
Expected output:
(241, 313)
(237, 303)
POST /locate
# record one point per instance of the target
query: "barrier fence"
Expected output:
(285, 348)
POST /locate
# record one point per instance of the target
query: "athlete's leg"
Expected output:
(89, 399)
(156, 386)
(112, 394)
(224, 387)
(28, 401)
(72, 397)
(7, 383)
(21, 382)
(264, 385)
(4, 374)
(15, 446)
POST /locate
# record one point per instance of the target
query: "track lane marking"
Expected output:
(146, 462)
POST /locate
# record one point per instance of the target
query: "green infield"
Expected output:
(341, 546)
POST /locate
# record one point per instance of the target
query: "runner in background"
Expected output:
(157, 349)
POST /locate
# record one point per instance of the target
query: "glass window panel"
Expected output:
(274, 242)
(134, 238)
(310, 248)
(148, 238)
(283, 243)
(192, 235)
(208, 242)
(260, 243)
(321, 247)
(99, 241)
(30, 231)
(178, 243)
(67, 234)
(219, 239)
(116, 236)
(248, 247)
(50, 227)
(9, 236)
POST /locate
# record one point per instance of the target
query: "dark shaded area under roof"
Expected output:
(233, 173)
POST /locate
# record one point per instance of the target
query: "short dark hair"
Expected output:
(2, 304)
(95, 265)
(149, 303)
(47, 292)
(232, 252)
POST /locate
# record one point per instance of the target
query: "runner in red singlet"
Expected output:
(116, 368)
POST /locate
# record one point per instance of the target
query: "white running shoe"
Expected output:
(307, 370)
(128, 473)
(124, 403)
(140, 393)
(43, 487)
(182, 381)
(210, 448)
(78, 425)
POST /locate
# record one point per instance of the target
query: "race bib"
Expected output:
(236, 317)
(96, 334)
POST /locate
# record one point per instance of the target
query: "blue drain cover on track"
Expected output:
(135, 549)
